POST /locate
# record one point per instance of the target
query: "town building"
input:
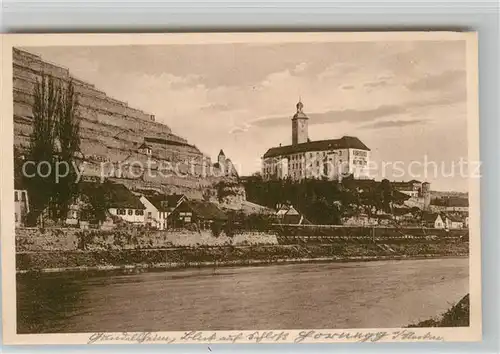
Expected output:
(200, 213)
(158, 207)
(124, 204)
(419, 193)
(331, 159)
(454, 221)
(433, 220)
(412, 188)
(443, 221)
(450, 204)
(288, 214)
(21, 203)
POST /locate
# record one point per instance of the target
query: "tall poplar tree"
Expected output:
(55, 137)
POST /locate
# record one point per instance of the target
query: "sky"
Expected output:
(405, 100)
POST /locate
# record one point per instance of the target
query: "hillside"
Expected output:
(112, 133)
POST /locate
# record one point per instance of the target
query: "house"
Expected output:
(145, 149)
(443, 221)
(411, 188)
(287, 214)
(201, 213)
(124, 204)
(433, 220)
(102, 204)
(21, 203)
(159, 206)
(360, 220)
(453, 221)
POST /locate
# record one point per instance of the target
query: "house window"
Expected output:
(130, 212)
(139, 212)
(23, 196)
(16, 196)
(149, 214)
(15, 215)
(187, 219)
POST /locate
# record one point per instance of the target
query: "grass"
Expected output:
(456, 316)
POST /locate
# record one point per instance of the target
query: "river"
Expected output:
(321, 295)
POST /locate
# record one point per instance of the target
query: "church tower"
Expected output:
(299, 126)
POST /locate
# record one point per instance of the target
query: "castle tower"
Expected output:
(426, 194)
(221, 159)
(299, 126)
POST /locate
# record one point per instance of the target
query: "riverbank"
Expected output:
(456, 316)
(137, 260)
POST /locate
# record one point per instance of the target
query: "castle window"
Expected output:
(23, 196)
(16, 198)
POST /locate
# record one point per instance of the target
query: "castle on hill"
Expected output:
(332, 158)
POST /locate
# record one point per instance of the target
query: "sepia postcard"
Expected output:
(240, 188)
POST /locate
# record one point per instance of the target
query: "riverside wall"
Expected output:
(71, 239)
(64, 251)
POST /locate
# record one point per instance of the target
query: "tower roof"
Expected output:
(300, 114)
(221, 153)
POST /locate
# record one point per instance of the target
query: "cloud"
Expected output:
(216, 107)
(374, 84)
(392, 124)
(239, 129)
(300, 68)
(335, 116)
(440, 81)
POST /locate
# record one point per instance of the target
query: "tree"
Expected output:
(68, 134)
(386, 195)
(41, 152)
(94, 201)
(54, 139)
